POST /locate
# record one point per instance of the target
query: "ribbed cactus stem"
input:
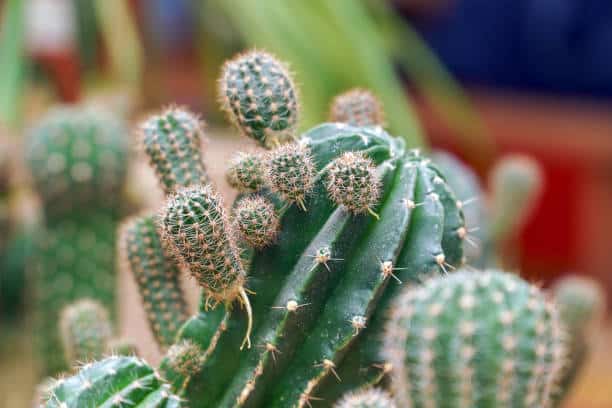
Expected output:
(357, 107)
(290, 171)
(195, 226)
(353, 182)
(367, 398)
(246, 172)
(478, 339)
(257, 92)
(85, 329)
(173, 141)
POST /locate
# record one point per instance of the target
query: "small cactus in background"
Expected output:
(121, 346)
(516, 183)
(256, 221)
(357, 107)
(290, 172)
(353, 183)
(368, 398)
(484, 339)
(246, 172)
(195, 225)
(86, 330)
(257, 92)
(581, 302)
(157, 277)
(173, 142)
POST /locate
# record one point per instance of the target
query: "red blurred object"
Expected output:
(64, 71)
(569, 230)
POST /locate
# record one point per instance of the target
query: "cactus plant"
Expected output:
(246, 172)
(484, 339)
(368, 398)
(357, 107)
(77, 158)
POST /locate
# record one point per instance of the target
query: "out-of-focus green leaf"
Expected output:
(12, 63)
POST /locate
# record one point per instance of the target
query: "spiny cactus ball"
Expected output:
(246, 172)
(290, 171)
(77, 158)
(484, 339)
(173, 142)
(257, 222)
(85, 329)
(368, 398)
(357, 107)
(185, 357)
(353, 182)
(196, 228)
(258, 94)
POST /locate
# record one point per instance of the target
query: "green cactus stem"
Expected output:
(113, 382)
(256, 220)
(257, 92)
(157, 277)
(478, 339)
(173, 141)
(357, 107)
(85, 329)
(195, 225)
(367, 398)
(246, 172)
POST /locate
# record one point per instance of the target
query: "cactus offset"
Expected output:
(368, 398)
(357, 107)
(484, 339)
(256, 221)
(246, 172)
(257, 92)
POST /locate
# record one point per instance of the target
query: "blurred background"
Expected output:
(477, 78)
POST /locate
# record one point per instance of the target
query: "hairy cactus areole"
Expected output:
(246, 172)
(367, 398)
(86, 330)
(156, 275)
(173, 142)
(194, 223)
(290, 172)
(257, 92)
(357, 107)
(477, 339)
(353, 182)
(256, 221)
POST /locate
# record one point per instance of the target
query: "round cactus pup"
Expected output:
(357, 107)
(257, 222)
(257, 92)
(246, 172)
(484, 339)
(86, 330)
(185, 357)
(353, 183)
(290, 171)
(367, 398)
(173, 142)
(196, 228)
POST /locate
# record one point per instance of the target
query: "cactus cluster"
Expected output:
(311, 277)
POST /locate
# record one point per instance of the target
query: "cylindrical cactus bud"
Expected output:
(85, 329)
(357, 107)
(173, 142)
(368, 398)
(121, 346)
(516, 182)
(256, 221)
(156, 275)
(485, 339)
(246, 172)
(257, 92)
(290, 172)
(353, 182)
(195, 226)
(185, 358)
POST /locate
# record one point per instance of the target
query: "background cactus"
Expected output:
(357, 107)
(246, 172)
(474, 339)
(77, 158)
(368, 398)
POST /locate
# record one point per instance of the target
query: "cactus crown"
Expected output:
(367, 398)
(484, 339)
(256, 221)
(257, 92)
(173, 141)
(353, 182)
(246, 172)
(290, 171)
(86, 329)
(357, 107)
